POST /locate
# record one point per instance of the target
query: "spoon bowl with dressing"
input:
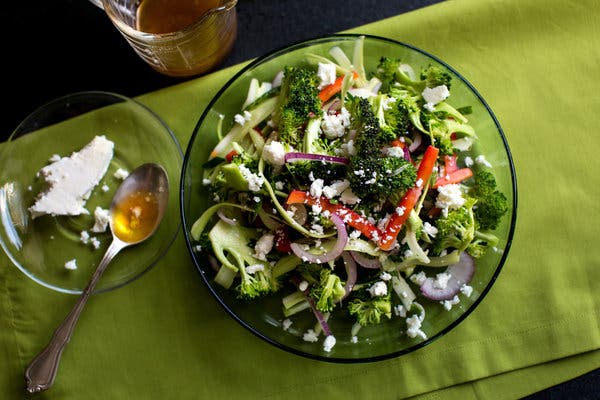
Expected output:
(136, 211)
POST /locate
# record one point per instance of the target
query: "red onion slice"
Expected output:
(364, 261)
(311, 302)
(295, 156)
(350, 265)
(461, 273)
(406, 154)
(335, 252)
(333, 106)
(416, 143)
(224, 218)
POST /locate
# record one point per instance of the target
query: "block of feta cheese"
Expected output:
(70, 180)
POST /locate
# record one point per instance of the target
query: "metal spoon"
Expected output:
(135, 213)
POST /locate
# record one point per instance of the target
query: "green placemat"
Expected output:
(164, 337)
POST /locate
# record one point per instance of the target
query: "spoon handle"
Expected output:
(41, 372)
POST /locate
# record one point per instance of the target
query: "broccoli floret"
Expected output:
(481, 243)
(434, 76)
(443, 127)
(407, 104)
(387, 69)
(298, 103)
(455, 230)
(370, 310)
(491, 203)
(372, 174)
(369, 138)
(237, 172)
(379, 176)
(390, 73)
(440, 136)
(230, 247)
(327, 291)
(393, 116)
(298, 172)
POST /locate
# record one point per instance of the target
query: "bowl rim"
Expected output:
(297, 46)
(120, 98)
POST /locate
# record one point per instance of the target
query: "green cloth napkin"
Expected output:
(537, 64)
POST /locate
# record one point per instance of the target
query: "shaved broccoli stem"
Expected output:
(282, 211)
(341, 58)
(358, 60)
(238, 132)
(285, 265)
(295, 309)
(200, 224)
(225, 276)
(293, 299)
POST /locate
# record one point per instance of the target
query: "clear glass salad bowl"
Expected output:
(264, 317)
(40, 247)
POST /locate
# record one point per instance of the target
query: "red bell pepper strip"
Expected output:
(410, 199)
(450, 164)
(455, 177)
(229, 156)
(397, 143)
(333, 88)
(349, 216)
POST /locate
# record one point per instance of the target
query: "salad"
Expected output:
(349, 194)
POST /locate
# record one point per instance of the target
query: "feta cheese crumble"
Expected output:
(449, 198)
(328, 343)
(310, 336)
(102, 218)
(255, 181)
(430, 230)
(263, 246)
(414, 327)
(274, 153)
(385, 276)
(466, 290)
(71, 180)
(242, 119)
(334, 125)
(121, 173)
(433, 96)
(316, 188)
(441, 280)
(379, 288)
(303, 286)
(71, 265)
(95, 242)
(286, 324)
(326, 73)
(336, 188)
(418, 278)
(449, 303)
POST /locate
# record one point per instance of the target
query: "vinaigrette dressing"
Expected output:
(165, 16)
(135, 217)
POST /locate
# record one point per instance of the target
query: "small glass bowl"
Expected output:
(263, 317)
(41, 247)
